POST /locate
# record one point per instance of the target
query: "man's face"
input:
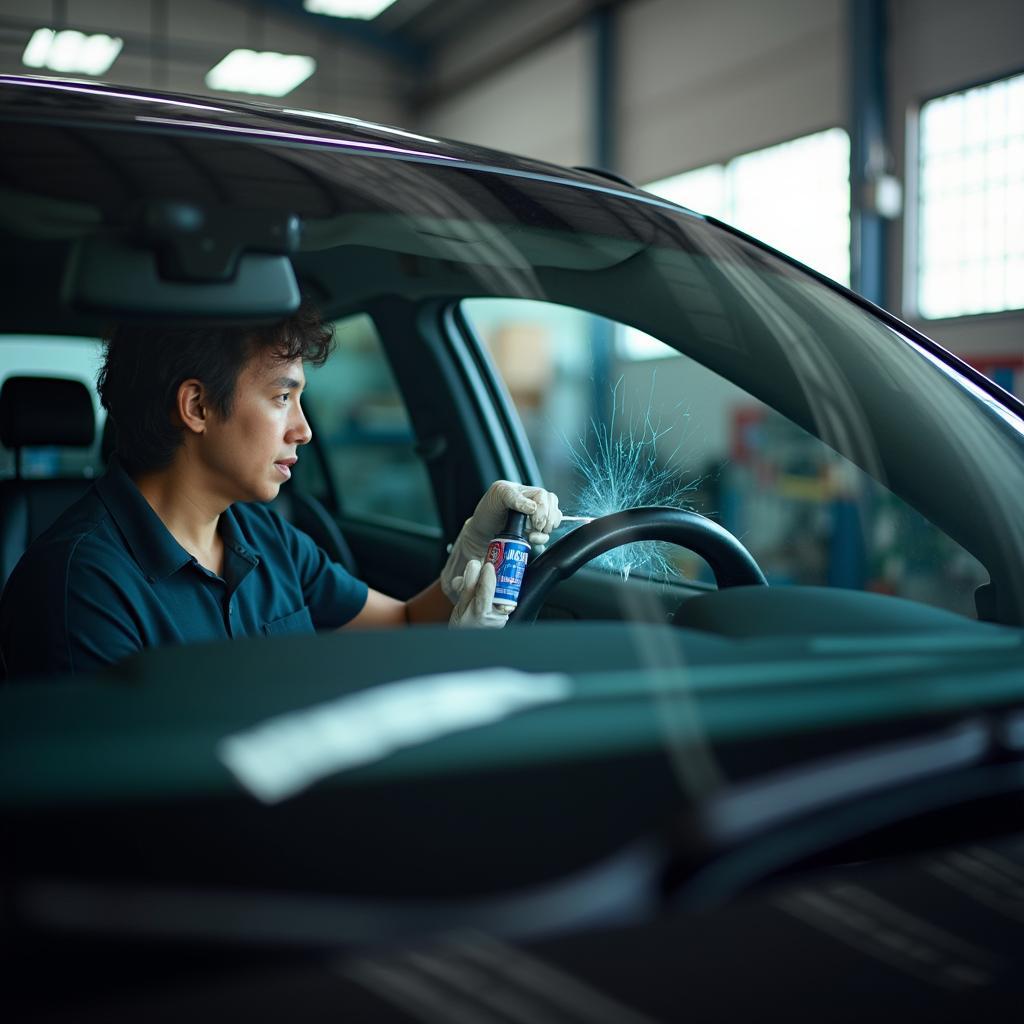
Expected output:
(250, 454)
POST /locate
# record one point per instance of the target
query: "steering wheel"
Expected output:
(732, 564)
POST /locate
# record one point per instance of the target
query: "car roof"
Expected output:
(83, 158)
(69, 101)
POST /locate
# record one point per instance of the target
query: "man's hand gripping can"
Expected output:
(508, 553)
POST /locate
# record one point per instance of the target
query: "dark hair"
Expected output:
(145, 364)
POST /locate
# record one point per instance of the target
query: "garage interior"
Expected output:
(678, 796)
(803, 122)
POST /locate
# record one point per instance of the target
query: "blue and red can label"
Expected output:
(509, 559)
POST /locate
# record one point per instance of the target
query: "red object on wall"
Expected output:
(743, 443)
(1007, 370)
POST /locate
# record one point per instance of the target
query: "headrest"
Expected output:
(45, 410)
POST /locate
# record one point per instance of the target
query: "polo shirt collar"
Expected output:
(150, 542)
(231, 534)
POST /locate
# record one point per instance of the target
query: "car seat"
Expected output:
(39, 411)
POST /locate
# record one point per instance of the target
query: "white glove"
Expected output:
(501, 498)
(476, 598)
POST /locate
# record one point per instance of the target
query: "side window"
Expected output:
(618, 419)
(69, 358)
(365, 431)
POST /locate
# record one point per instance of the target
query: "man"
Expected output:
(173, 544)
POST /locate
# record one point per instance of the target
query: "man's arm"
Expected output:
(467, 583)
(383, 612)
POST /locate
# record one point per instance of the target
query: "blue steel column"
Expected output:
(605, 157)
(868, 81)
(604, 88)
(848, 550)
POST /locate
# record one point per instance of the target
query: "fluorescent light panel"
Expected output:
(367, 10)
(71, 51)
(262, 74)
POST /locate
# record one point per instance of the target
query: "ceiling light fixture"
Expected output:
(71, 51)
(262, 74)
(367, 10)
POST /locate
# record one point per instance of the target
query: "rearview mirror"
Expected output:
(110, 276)
(172, 259)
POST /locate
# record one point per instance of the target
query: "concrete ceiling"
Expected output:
(391, 69)
(409, 30)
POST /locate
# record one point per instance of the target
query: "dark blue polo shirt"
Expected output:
(108, 579)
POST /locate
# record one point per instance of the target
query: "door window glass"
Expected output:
(64, 357)
(364, 428)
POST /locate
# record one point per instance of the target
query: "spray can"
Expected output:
(508, 553)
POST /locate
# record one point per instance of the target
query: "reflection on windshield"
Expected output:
(997, 408)
(285, 755)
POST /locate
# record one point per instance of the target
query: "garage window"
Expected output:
(970, 210)
(64, 357)
(794, 196)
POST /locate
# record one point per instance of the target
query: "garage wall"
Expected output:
(495, 85)
(193, 35)
(698, 80)
(702, 81)
(549, 119)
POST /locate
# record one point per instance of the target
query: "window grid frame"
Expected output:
(912, 218)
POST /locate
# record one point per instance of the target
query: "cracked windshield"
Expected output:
(618, 419)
